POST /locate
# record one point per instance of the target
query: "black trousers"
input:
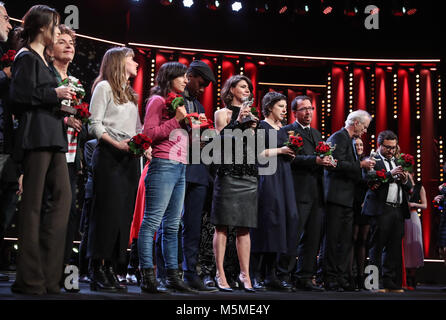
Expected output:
(310, 232)
(338, 244)
(42, 236)
(192, 216)
(386, 249)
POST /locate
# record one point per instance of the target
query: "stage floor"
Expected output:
(423, 292)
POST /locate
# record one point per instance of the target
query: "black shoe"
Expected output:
(113, 279)
(308, 285)
(258, 285)
(100, 282)
(332, 286)
(348, 286)
(224, 289)
(174, 282)
(4, 277)
(208, 281)
(389, 285)
(196, 283)
(149, 282)
(277, 285)
(84, 279)
(243, 286)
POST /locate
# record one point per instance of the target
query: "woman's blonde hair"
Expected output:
(113, 70)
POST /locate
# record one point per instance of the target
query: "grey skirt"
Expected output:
(234, 201)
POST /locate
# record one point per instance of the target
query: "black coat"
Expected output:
(34, 101)
(375, 199)
(196, 173)
(307, 175)
(340, 182)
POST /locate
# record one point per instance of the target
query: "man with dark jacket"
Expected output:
(388, 204)
(9, 171)
(197, 180)
(340, 184)
(307, 169)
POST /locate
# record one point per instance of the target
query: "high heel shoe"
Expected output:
(218, 283)
(242, 285)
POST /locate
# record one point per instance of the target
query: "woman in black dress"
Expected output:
(41, 143)
(361, 222)
(277, 211)
(235, 188)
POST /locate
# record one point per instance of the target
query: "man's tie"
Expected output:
(398, 198)
(308, 132)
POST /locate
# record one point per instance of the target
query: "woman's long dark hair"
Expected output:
(167, 72)
(37, 17)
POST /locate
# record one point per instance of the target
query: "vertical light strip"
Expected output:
(323, 118)
(439, 96)
(417, 99)
(441, 155)
(219, 73)
(152, 72)
(350, 91)
(326, 114)
(373, 107)
(418, 162)
(395, 95)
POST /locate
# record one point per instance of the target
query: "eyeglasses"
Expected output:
(306, 109)
(389, 147)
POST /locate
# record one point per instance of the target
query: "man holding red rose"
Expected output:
(307, 169)
(388, 204)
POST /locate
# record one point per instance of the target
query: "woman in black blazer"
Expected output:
(40, 145)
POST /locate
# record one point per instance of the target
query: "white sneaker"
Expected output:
(131, 279)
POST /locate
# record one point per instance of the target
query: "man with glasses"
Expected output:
(307, 169)
(387, 203)
(8, 169)
(340, 185)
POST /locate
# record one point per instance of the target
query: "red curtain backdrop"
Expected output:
(138, 83)
(404, 115)
(338, 99)
(381, 101)
(428, 162)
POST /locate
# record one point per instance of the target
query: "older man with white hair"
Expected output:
(340, 184)
(8, 174)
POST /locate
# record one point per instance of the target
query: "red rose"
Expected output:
(296, 141)
(381, 173)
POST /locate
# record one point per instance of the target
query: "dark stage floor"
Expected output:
(423, 292)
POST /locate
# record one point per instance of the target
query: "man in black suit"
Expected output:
(340, 182)
(308, 172)
(388, 204)
(9, 171)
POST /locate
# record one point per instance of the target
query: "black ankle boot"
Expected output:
(174, 281)
(113, 279)
(149, 283)
(99, 280)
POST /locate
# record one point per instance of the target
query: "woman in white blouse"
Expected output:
(114, 121)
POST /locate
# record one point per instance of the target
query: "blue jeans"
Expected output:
(165, 186)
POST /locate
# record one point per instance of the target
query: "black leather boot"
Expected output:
(113, 279)
(149, 283)
(99, 280)
(174, 282)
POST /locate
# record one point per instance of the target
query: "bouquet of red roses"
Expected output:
(376, 178)
(139, 143)
(406, 161)
(173, 101)
(82, 112)
(8, 58)
(325, 149)
(295, 142)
